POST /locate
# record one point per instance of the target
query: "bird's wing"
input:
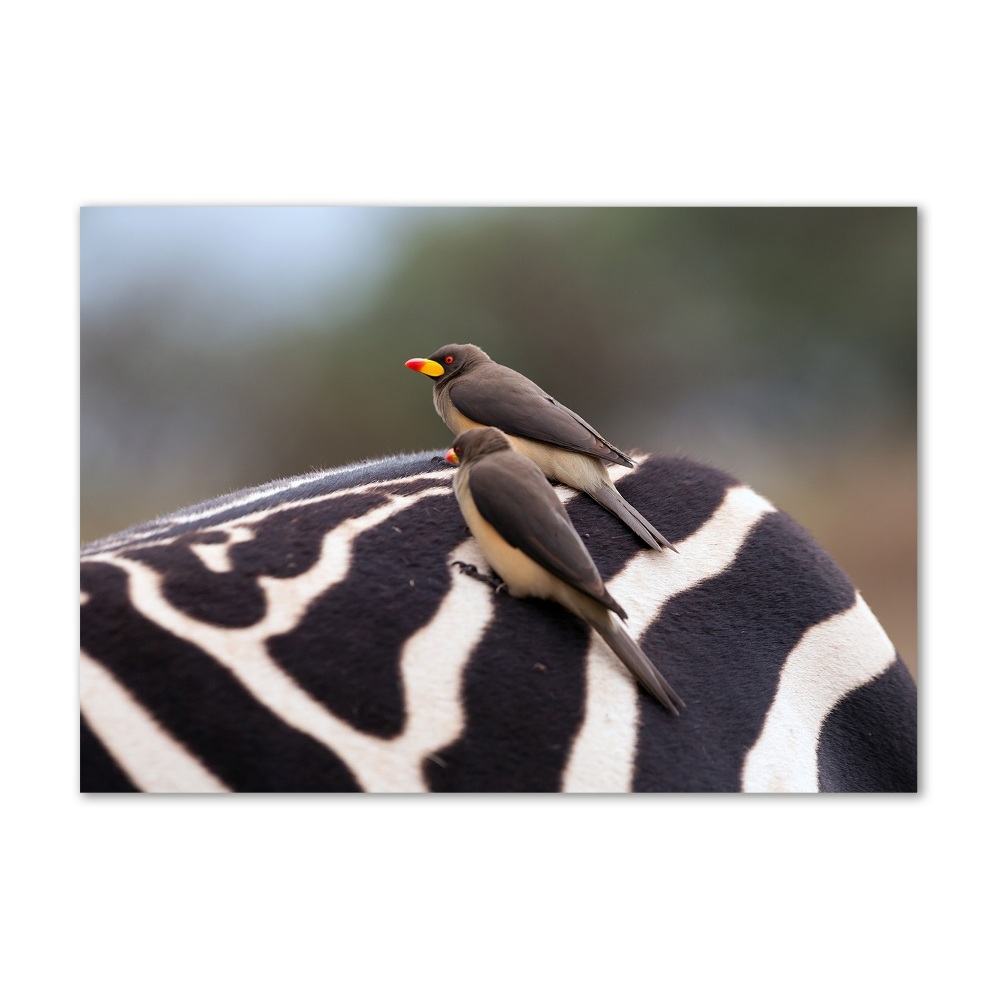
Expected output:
(508, 400)
(513, 495)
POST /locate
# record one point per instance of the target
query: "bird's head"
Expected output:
(473, 444)
(449, 360)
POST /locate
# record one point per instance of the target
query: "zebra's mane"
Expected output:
(386, 470)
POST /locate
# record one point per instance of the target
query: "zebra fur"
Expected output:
(315, 634)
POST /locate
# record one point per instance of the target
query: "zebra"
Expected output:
(325, 633)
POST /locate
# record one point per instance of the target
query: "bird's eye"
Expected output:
(448, 360)
(458, 451)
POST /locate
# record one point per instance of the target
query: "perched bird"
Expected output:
(527, 537)
(472, 390)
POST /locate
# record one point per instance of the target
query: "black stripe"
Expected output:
(197, 701)
(99, 771)
(722, 645)
(868, 743)
(523, 694)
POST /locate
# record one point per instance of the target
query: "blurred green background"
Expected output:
(223, 347)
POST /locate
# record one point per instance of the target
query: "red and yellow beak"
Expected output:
(425, 366)
(450, 457)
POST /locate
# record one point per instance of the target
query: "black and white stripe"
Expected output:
(313, 635)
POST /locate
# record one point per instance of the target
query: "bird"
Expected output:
(472, 390)
(529, 541)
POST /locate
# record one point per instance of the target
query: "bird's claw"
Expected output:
(469, 570)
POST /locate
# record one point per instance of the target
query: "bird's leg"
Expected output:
(469, 570)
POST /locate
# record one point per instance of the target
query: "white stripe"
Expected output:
(603, 756)
(153, 760)
(432, 663)
(831, 659)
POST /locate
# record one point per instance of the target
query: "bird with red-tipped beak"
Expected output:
(528, 539)
(472, 390)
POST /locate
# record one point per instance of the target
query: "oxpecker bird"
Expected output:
(530, 542)
(471, 390)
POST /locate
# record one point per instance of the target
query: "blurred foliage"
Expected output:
(779, 343)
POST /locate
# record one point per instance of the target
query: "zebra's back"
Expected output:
(315, 635)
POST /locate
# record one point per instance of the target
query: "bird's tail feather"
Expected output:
(609, 498)
(628, 651)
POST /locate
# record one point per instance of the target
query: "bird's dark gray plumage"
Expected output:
(530, 542)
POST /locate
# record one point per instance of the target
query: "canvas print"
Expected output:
(547, 500)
